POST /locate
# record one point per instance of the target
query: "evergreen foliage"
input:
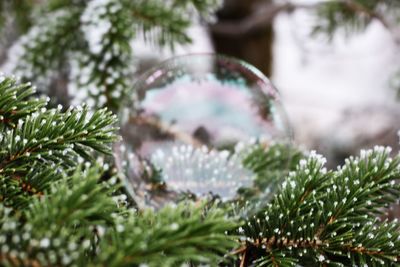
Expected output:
(321, 217)
(91, 42)
(356, 15)
(173, 236)
(62, 207)
(36, 143)
(20, 12)
(57, 212)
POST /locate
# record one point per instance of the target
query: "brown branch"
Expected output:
(358, 8)
(271, 243)
(274, 242)
(261, 18)
(164, 128)
(274, 261)
(14, 157)
(28, 188)
(19, 262)
(5, 119)
(264, 14)
(243, 260)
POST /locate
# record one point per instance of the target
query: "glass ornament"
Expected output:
(189, 113)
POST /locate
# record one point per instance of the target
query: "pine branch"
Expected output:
(167, 23)
(59, 229)
(77, 200)
(355, 15)
(17, 190)
(15, 102)
(275, 259)
(364, 186)
(55, 137)
(375, 244)
(44, 142)
(325, 217)
(79, 219)
(170, 237)
(104, 69)
(205, 8)
(20, 11)
(43, 50)
(161, 23)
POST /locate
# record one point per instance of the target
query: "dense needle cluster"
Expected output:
(60, 207)
(329, 217)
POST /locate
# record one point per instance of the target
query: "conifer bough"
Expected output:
(56, 211)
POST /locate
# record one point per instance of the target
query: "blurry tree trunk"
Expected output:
(9, 34)
(235, 35)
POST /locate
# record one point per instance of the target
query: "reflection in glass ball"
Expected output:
(202, 171)
(199, 101)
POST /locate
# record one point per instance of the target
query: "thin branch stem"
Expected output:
(170, 130)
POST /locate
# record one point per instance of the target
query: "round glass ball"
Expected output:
(192, 109)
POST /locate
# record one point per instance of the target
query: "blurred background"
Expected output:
(337, 82)
(338, 89)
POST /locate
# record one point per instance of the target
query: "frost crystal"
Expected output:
(321, 258)
(45, 243)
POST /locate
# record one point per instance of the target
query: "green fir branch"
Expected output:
(43, 143)
(320, 217)
(54, 212)
(80, 223)
(17, 190)
(18, 10)
(170, 237)
(104, 67)
(160, 24)
(56, 137)
(15, 102)
(44, 49)
(355, 15)
(61, 228)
